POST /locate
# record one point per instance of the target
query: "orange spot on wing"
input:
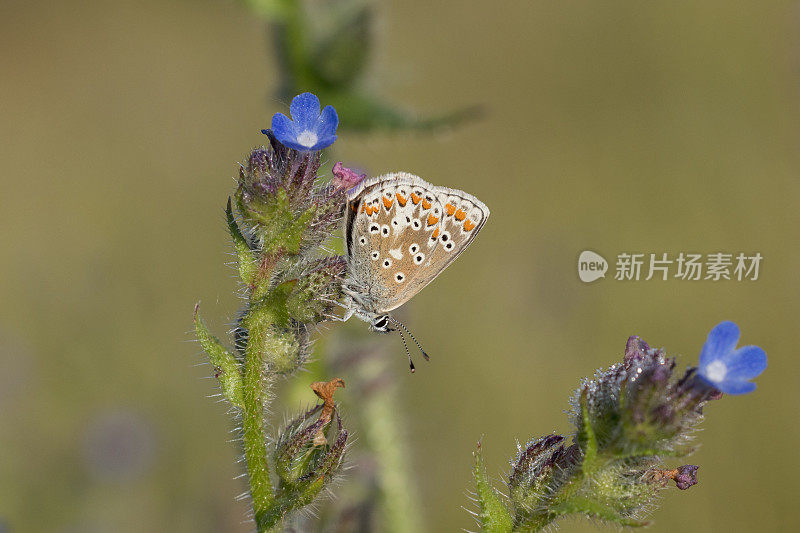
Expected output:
(401, 200)
(426, 204)
(435, 233)
(432, 220)
(387, 203)
(415, 198)
(460, 215)
(450, 209)
(469, 225)
(371, 210)
(363, 208)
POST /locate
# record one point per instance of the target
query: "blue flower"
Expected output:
(727, 368)
(309, 129)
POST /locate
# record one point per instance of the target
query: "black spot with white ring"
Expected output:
(374, 228)
(385, 230)
(387, 263)
(375, 255)
(362, 240)
(416, 224)
(419, 258)
(399, 277)
(413, 248)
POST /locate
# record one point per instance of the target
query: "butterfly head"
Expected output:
(381, 324)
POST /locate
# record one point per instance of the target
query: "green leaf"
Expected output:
(247, 263)
(494, 515)
(225, 364)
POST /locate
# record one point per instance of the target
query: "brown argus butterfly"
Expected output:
(400, 233)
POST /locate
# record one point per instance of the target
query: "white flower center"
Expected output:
(716, 371)
(307, 138)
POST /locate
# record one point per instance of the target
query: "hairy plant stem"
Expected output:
(253, 434)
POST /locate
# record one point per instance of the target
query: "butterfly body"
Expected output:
(401, 232)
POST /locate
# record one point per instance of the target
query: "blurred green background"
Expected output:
(612, 126)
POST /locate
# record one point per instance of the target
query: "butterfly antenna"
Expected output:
(410, 362)
(394, 320)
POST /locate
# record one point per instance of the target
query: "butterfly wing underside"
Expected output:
(401, 232)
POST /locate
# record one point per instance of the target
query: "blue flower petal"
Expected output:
(327, 123)
(283, 128)
(736, 387)
(324, 142)
(309, 129)
(720, 342)
(305, 111)
(727, 368)
(746, 363)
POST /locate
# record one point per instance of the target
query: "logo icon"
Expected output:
(591, 266)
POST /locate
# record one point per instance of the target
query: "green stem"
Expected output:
(260, 318)
(253, 434)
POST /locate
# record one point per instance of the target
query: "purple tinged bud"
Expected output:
(635, 349)
(536, 459)
(345, 178)
(258, 160)
(686, 476)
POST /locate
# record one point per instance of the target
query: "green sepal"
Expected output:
(246, 260)
(595, 509)
(314, 291)
(279, 227)
(272, 309)
(587, 440)
(225, 364)
(493, 514)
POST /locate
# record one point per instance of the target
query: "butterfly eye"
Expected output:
(413, 248)
(399, 277)
(419, 258)
(387, 263)
(375, 255)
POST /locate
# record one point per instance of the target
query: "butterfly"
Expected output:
(400, 233)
